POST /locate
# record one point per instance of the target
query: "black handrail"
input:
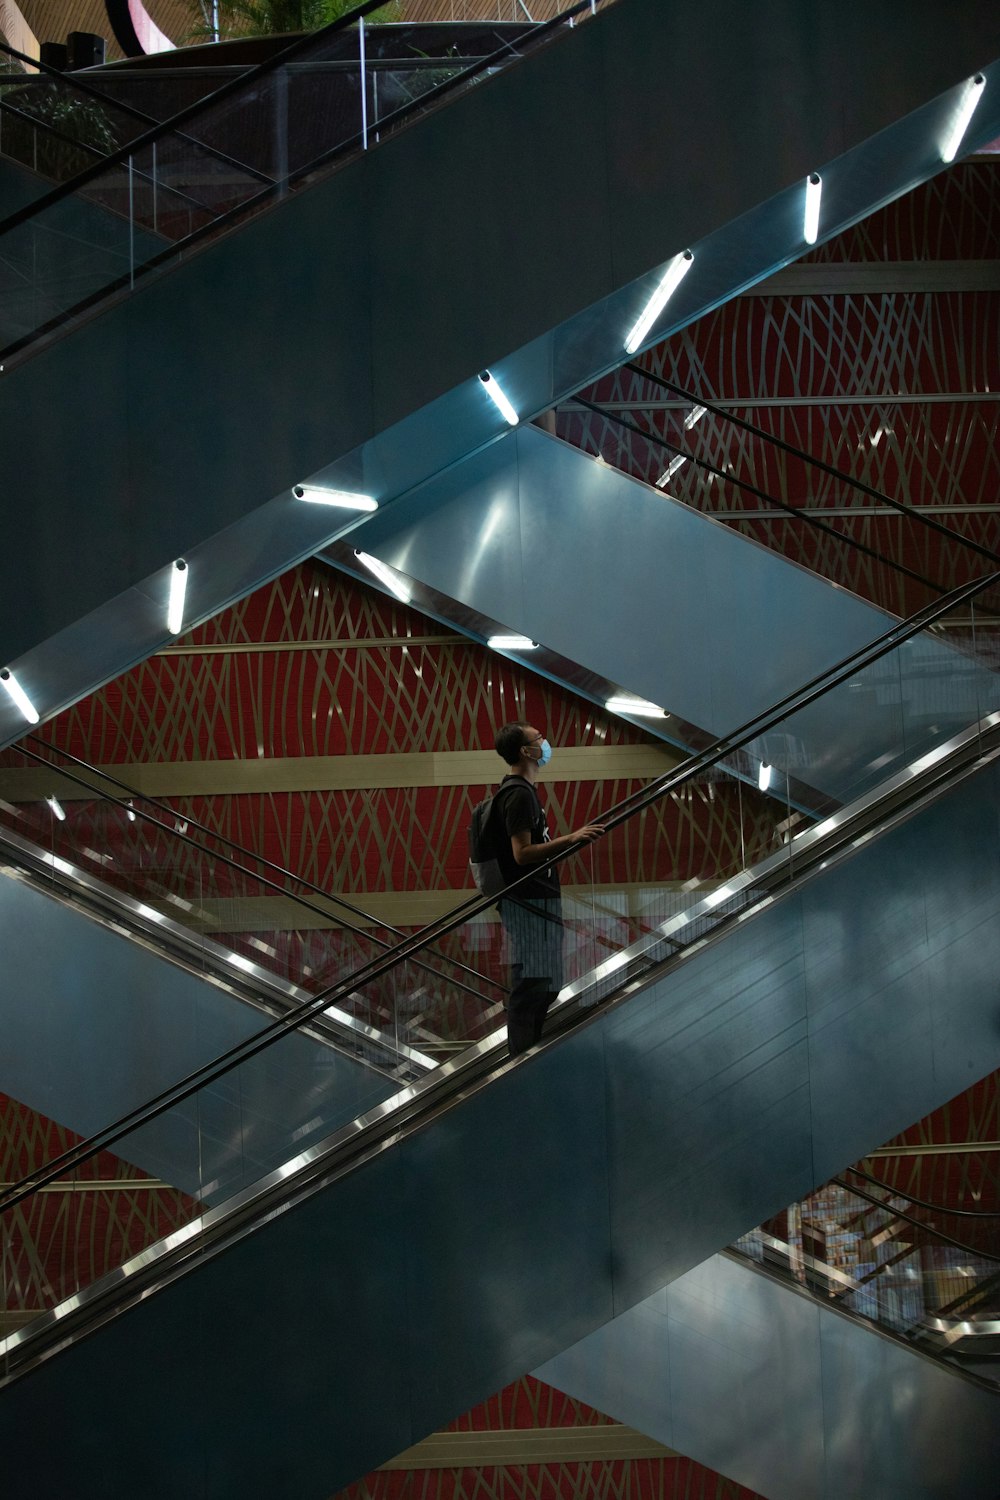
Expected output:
(912, 512)
(899, 1213)
(130, 796)
(662, 786)
(934, 1208)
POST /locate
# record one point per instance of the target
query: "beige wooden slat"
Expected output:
(539, 1445)
(342, 772)
(53, 20)
(342, 643)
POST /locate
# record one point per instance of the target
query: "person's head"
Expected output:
(522, 745)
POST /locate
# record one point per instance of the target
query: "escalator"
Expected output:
(851, 1343)
(243, 384)
(757, 1037)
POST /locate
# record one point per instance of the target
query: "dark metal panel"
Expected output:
(714, 1067)
(506, 1216)
(901, 978)
(537, 131)
(279, 1371)
(785, 1396)
(901, 1426)
(93, 1025)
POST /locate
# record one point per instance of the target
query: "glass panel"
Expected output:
(55, 127)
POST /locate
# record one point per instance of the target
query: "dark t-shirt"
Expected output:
(520, 811)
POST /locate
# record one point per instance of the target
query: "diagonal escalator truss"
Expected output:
(488, 1217)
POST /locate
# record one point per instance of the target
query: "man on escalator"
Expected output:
(532, 916)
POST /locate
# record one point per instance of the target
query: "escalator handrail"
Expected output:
(934, 1208)
(912, 512)
(249, 78)
(417, 942)
(129, 794)
(907, 1218)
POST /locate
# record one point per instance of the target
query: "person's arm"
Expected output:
(526, 853)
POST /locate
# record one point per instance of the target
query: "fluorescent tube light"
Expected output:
(385, 575)
(498, 398)
(970, 98)
(810, 223)
(694, 416)
(56, 806)
(175, 604)
(675, 463)
(764, 776)
(342, 499)
(511, 643)
(670, 281)
(638, 706)
(19, 696)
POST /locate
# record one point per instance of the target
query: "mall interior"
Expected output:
(619, 369)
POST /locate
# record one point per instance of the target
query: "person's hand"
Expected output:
(588, 833)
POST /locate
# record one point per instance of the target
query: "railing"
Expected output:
(624, 914)
(220, 160)
(880, 1256)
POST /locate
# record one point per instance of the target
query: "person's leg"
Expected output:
(535, 934)
(526, 1010)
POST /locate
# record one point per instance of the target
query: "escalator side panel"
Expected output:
(851, 1008)
(218, 386)
(786, 1396)
(94, 1024)
(578, 1183)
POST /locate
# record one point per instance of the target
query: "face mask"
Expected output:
(546, 754)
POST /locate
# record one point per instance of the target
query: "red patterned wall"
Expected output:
(530, 1404)
(853, 356)
(63, 1239)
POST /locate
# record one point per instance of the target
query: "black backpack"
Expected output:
(484, 846)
